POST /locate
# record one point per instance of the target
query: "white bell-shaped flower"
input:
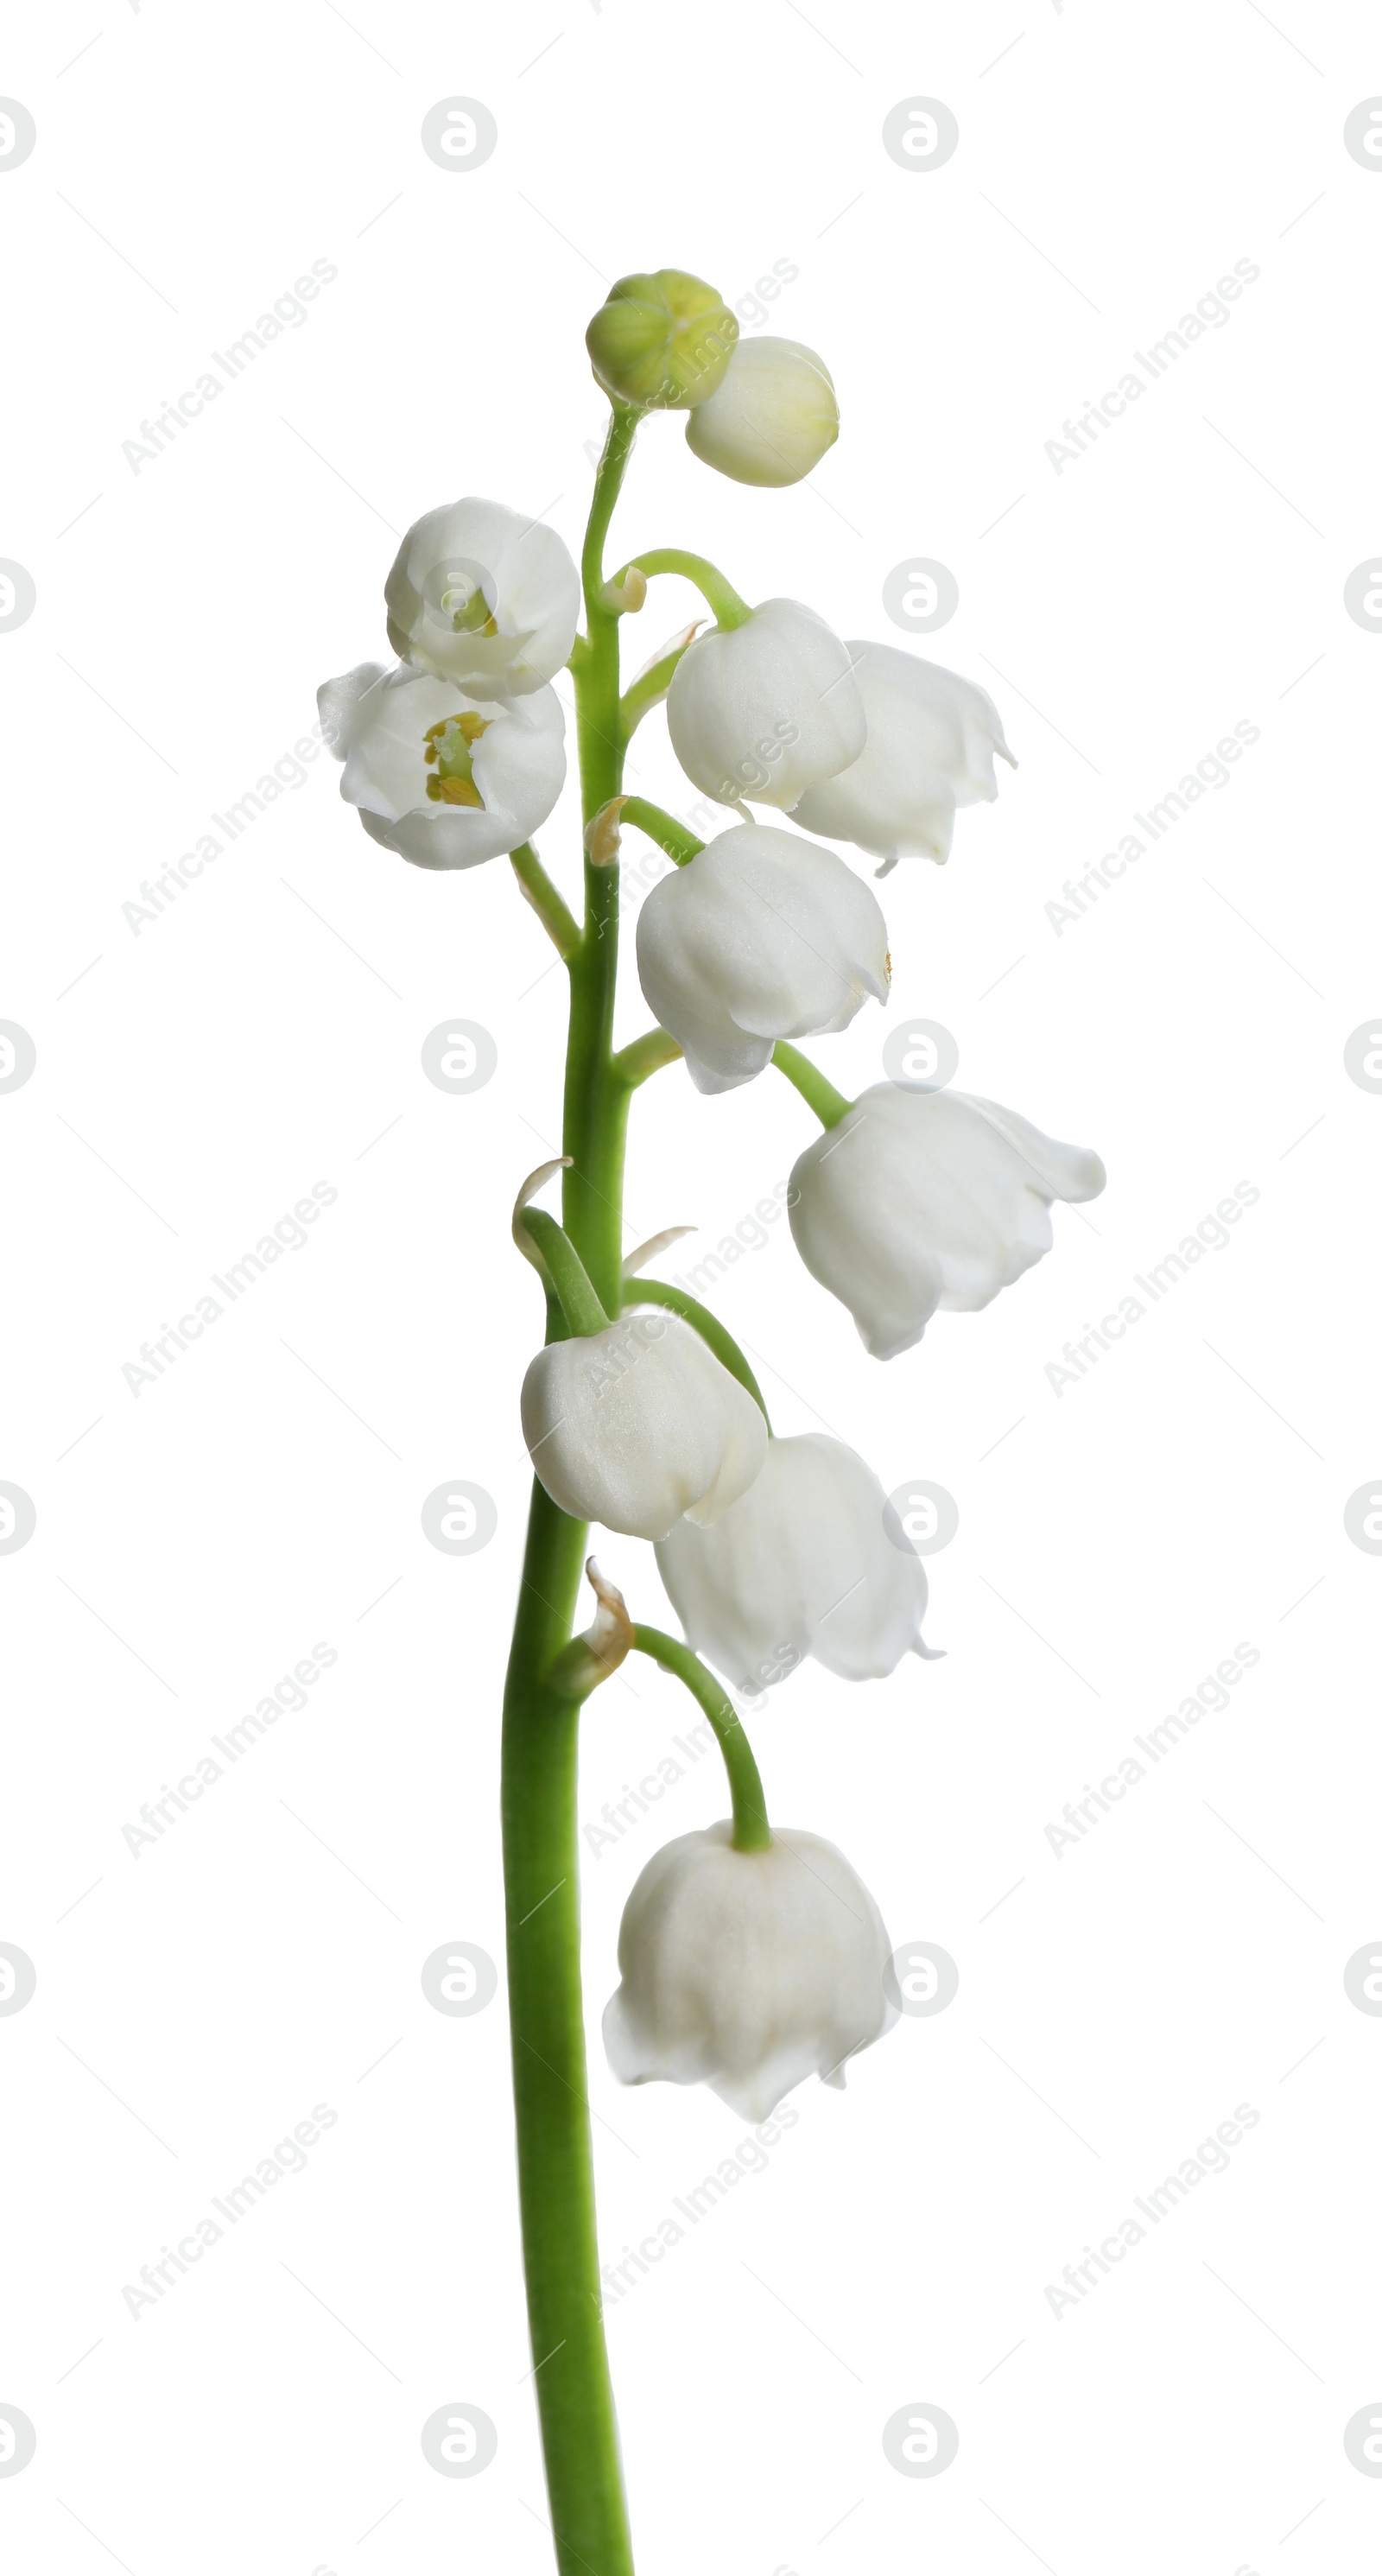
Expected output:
(444, 778)
(747, 1971)
(638, 1423)
(483, 595)
(931, 743)
(762, 936)
(924, 1199)
(772, 418)
(762, 711)
(810, 1561)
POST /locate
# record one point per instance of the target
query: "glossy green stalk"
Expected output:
(719, 595)
(677, 839)
(751, 1830)
(541, 1866)
(819, 1094)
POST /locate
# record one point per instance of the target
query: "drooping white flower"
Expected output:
(747, 1971)
(639, 1423)
(773, 417)
(931, 743)
(485, 596)
(926, 1199)
(807, 1562)
(763, 711)
(444, 778)
(762, 936)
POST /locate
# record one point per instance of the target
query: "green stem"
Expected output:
(645, 1055)
(656, 1292)
(719, 595)
(675, 838)
(561, 926)
(541, 1858)
(751, 1830)
(829, 1104)
(567, 1272)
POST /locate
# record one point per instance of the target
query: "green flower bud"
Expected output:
(661, 341)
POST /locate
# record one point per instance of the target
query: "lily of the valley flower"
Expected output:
(484, 596)
(444, 778)
(762, 936)
(764, 710)
(924, 1199)
(638, 1423)
(747, 1971)
(773, 417)
(803, 1564)
(931, 743)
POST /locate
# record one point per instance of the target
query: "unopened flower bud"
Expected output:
(773, 417)
(661, 341)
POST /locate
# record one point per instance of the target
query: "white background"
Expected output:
(1116, 1541)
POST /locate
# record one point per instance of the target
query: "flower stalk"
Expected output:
(541, 1867)
(751, 1829)
(816, 1090)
